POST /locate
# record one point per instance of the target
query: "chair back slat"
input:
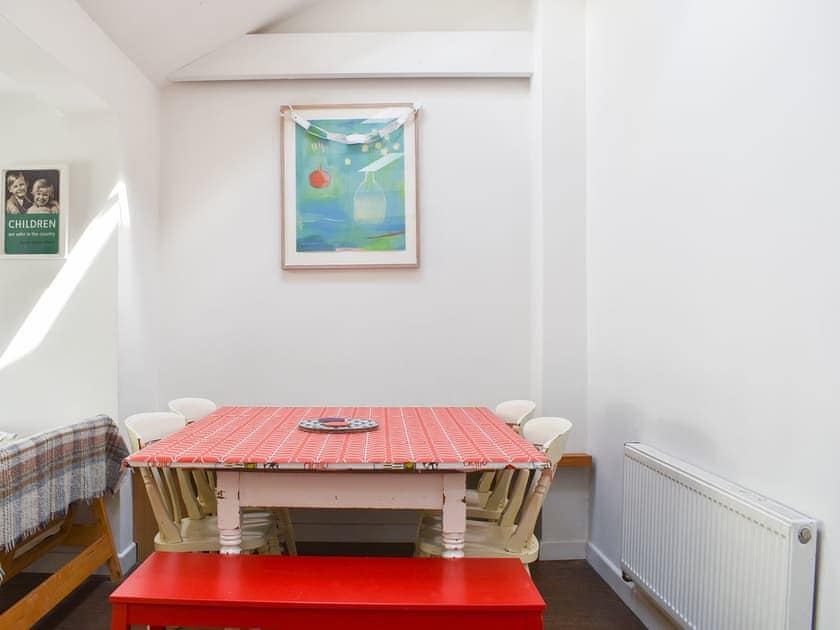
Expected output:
(517, 495)
(530, 513)
(501, 491)
(167, 526)
(205, 485)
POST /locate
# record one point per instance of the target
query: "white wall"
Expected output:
(82, 50)
(240, 330)
(560, 149)
(558, 244)
(71, 375)
(712, 209)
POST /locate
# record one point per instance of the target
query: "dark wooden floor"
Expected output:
(575, 595)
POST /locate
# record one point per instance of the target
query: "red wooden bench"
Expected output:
(190, 589)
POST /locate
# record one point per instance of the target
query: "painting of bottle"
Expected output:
(369, 201)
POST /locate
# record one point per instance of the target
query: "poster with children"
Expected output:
(35, 220)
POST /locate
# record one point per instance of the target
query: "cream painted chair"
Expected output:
(193, 409)
(515, 413)
(513, 535)
(182, 525)
(491, 493)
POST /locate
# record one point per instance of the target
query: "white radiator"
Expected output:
(713, 555)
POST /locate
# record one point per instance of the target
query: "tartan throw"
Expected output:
(41, 475)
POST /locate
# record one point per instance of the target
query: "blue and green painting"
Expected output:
(350, 197)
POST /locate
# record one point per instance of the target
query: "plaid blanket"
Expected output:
(41, 475)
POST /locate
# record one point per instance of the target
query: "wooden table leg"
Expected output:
(454, 522)
(228, 512)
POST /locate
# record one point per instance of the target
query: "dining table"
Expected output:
(344, 457)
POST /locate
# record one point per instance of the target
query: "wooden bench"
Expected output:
(97, 548)
(44, 478)
(187, 589)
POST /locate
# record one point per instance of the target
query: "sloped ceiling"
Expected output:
(160, 36)
(341, 16)
(26, 70)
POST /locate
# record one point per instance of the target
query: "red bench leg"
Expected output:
(119, 617)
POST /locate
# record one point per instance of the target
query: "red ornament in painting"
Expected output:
(319, 178)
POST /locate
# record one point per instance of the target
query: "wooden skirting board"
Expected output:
(97, 549)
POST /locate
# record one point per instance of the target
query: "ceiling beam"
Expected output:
(484, 54)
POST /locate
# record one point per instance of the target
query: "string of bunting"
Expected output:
(354, 138)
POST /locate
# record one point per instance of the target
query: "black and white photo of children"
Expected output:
(31, 191)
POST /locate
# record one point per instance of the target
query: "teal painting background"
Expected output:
(325, 220)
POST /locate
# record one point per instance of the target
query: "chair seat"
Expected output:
(251, 521)
(203, 535)
(276, 518)
(481, 540)
(260, 529)
(432, 521)
(476, 530)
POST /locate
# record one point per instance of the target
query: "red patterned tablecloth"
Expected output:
(421, 438)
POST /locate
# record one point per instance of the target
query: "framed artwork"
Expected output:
(35, 200)
(349, 186)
